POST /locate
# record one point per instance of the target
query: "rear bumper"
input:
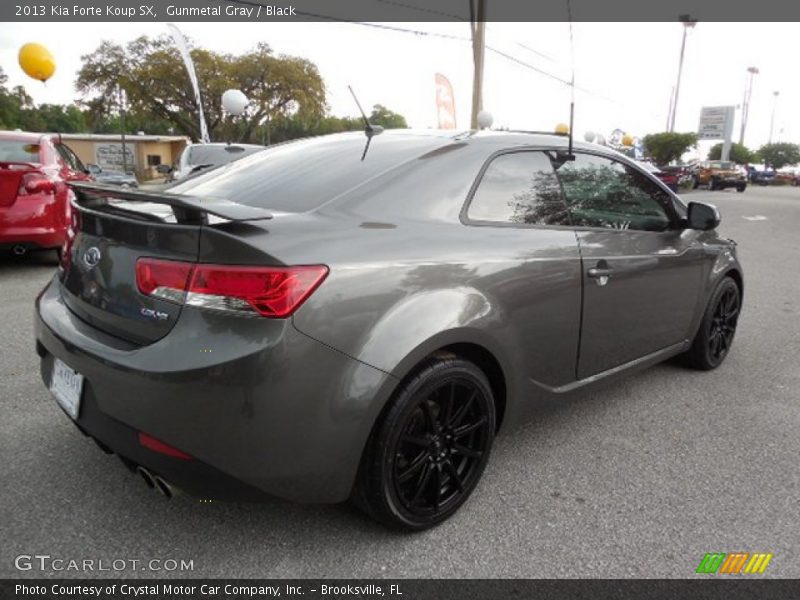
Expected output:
(261, 407)
(723, 182)
(34, 222)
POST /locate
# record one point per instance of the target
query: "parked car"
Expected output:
(669, 178)
(761, 176)
(718, 175)
(310, 325)
(198, 157)
(109, 177)
(682, 172)
(34, 197)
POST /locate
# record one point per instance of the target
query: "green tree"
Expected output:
(9, 106)
(155, 82)
(667, 147)
(739, 154)
(780, 155)
(386, 118)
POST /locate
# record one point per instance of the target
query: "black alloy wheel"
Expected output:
(723, 324)
(430, 450)
(715, 336)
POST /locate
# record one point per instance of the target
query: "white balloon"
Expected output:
(485, 119)
(589, 136)
(234, 102)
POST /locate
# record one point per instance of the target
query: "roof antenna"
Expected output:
(370, 130)
(562, 157)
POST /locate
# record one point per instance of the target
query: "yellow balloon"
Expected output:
(562, 128)
(37, 62)
(627, 140)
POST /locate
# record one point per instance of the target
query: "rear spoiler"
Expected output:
(187, 209)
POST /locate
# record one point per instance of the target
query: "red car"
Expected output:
(34, 196)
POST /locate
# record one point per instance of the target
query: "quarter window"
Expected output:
(601, 192)
(520, 188)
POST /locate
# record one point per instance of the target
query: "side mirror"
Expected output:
(93, 169)
(702, 216)
(163, 169)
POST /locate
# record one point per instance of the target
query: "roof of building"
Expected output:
(114, 137)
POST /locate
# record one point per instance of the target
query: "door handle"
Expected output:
(597, 272)
(601, 273)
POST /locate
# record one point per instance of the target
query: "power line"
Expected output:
(433, 34)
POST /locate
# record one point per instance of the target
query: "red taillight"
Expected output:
(155, 445)
(164, 278)
(36, 183)
(275, 292)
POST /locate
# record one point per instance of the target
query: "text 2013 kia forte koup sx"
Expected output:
(319, 326)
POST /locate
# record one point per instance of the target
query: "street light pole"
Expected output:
(478, 28)
(688, 24)
(748, 92)
(772, 120)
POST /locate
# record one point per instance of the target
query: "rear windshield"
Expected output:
(301, 176)
(218, 155)
(721, 165)
(18, 151)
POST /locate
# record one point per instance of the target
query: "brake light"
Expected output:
(36, 183)
(275, 292)
(166, 279)
(151, 443)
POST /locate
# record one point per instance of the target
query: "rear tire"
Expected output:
(715, 336)
(712, 185)
(429, 449)
(741, 188)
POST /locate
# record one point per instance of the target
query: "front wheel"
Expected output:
(715, 336)
(741, 188)
(430, 448)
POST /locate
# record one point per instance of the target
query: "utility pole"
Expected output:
(477, 9)
(748, 92)
(122, 127)
(772, 120)
(688, 23)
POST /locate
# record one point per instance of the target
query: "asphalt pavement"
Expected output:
(640, 479)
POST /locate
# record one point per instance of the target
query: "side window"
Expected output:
(605, 193)
(73, 162)
(519, 187)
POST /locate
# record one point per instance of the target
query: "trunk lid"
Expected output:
(111, 230)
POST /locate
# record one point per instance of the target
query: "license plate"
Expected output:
(66, 386)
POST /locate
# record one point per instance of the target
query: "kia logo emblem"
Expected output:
(92, 256)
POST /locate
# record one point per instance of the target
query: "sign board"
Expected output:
(716, 122)
(109, 156)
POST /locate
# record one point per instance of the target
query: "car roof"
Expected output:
(24, 136)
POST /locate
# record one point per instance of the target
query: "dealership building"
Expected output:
(143, 153)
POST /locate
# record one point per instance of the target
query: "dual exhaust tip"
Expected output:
(155, 482)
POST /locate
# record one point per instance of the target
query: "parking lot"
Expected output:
(639, 480)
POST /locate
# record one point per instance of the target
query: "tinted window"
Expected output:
(302, 175)
(606, 193)
(218, 155)
(18, 151)
(520, 187)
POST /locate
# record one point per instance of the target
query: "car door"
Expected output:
(532, 270)
(642, 270)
